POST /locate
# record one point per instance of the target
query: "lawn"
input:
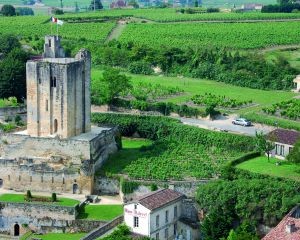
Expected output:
(263, 166)
(60, 236)
(130, 152)
(19, 198)
(101, 212)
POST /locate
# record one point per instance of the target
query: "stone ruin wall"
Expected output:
(36, 216)
(52, 165)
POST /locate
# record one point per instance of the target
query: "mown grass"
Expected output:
(19, 198)
(263, 166)
(130, 152)
(60, 236)
(101, 212)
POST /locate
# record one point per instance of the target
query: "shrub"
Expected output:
(53, 197)
(128, 187)
(28, 194)
(153, 187)
(140, 68)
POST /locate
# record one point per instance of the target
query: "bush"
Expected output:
(28, 194)
(153, 187)
(140, 68)
(128, 187)
(53, 197)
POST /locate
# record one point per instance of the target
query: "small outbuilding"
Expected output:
(297, 83)
(284, 142)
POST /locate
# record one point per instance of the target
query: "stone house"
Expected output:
(161, 215)
(284, 141)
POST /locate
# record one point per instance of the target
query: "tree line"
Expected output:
(225, 65)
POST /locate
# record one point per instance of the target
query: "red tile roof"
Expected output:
(280, 233)
(284, 136)
(159, 198)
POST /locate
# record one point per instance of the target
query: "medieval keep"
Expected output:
(59, 151)
(58, 92)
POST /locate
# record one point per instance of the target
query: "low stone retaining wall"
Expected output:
(103, 229)
(12, 111)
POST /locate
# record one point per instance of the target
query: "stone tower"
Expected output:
(58, 92)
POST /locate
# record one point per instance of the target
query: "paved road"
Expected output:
(226, 125)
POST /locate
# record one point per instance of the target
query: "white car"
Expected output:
(241, 121)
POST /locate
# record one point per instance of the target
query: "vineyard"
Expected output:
(234, 35)
(39, 26)
(178, 151)
(287, 109)
(170, 15)
(218, 101)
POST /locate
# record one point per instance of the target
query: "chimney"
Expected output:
(290, 226)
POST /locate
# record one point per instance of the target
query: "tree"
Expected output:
(8, 10)
(294, 155)
(96, 5)
(133, 3)
(263, 144)
(196, 3)
(13, 74)
(111, 85)
(53, 197)
(76, 7)
(8, 43)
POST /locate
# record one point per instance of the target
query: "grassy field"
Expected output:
(192, 86)
(235, 35)
(60, 236)
(101, 212)
(19, 198)
(263, 166)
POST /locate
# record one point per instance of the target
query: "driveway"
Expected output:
(225, 124)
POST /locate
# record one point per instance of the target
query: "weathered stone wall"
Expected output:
(51, 164)
(104, 185)
(36, 216)
(12, 111)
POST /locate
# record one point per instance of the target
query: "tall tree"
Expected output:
(111, 85)
(95, 5)
(8, 10)
(263, 144)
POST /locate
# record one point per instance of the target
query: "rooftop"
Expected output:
(280, 233)
(159, 198)
(289, 137)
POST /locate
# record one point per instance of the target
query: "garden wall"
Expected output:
(111, 186)
(12, 111)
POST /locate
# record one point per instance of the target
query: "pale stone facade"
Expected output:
(58, 92)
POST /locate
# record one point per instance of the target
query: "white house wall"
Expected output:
(142, 213)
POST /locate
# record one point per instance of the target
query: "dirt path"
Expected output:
(280, 47)
(116, 31)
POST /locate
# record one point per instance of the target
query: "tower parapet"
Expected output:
(52, 47)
